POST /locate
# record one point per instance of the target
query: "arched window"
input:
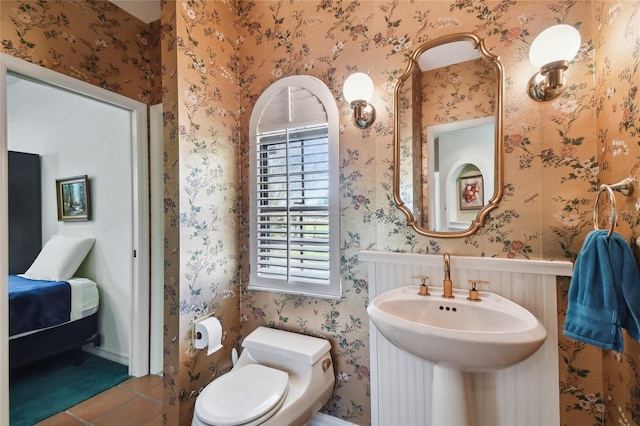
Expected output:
(294, 237)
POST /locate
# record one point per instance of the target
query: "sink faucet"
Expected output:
(447, 286)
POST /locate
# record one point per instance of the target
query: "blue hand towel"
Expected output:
(604, 294)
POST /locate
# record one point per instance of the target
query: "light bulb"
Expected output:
(358, 87)
(557, 43)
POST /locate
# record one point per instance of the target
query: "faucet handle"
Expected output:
(474, 283)
(424, 284)
(474, 294)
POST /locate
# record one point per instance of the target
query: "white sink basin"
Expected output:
(457, 333)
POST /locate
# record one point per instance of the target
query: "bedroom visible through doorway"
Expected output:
(125, 281)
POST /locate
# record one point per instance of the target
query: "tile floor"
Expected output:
(137, 401)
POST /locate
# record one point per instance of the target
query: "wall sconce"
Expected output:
(551, 52)
(357, 90)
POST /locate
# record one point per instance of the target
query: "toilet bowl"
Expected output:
(281, 378)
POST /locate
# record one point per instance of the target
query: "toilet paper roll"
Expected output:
(208, 333)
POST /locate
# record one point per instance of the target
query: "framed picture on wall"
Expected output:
(74, 203)
(471, 193)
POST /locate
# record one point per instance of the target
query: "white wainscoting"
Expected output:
(526, 394)
(321, 419)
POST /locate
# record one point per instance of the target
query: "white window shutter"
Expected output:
(294, 213)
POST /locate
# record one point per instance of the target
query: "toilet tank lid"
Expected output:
(307, 348)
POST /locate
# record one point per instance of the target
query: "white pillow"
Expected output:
(60, 258)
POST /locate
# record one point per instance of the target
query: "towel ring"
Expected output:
(612, 213)
(625, 187)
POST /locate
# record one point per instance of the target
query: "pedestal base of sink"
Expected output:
(450, 405)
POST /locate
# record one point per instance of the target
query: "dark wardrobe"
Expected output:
(25, 210)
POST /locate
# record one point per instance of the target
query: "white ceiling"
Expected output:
(447, 54)
(145, 10)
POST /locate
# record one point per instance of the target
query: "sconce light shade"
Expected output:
(551, 52)
(357, 90)
(557, 43)
(358, 87)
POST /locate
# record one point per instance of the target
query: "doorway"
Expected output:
(137, 247)
(453, 149)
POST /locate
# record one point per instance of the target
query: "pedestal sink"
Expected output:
(487, 335)
(457, 336)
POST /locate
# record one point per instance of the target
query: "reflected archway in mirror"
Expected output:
(448, 136)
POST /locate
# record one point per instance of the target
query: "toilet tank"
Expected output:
(268, 342)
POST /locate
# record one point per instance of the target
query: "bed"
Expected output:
(49, 311)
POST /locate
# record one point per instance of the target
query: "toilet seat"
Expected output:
(242, 395)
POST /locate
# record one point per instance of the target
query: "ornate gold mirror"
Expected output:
(448, 136)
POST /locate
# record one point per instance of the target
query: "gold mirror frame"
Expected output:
(493, 60)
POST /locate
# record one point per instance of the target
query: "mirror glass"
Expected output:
(448, 136)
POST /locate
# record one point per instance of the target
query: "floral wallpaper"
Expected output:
(617, 75)
(411, 147)
(171, 158)
(203, 224)
(218, 56)
(93, 41)
(458, 92)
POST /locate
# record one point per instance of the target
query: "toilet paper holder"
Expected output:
(196, 335)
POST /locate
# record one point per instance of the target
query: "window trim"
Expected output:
(333, 289)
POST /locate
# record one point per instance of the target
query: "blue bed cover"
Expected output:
(37, 304)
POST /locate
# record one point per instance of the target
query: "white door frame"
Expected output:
(139, 345)
(156, 171)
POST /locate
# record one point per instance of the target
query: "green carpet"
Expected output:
(42, 389)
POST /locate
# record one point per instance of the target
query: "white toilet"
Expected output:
(281, 378)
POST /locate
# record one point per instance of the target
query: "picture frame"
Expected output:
(74, 200)
(471, 192)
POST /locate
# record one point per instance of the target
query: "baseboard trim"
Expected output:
(320, 419)
(97, 351)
